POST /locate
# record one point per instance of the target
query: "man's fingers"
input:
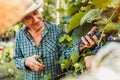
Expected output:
(37, 68)
(39, 64)
(95, 39)
(84, 41)
(92, 30)
(34, 64)
(91, 42)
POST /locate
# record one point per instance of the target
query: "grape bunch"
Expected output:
(96, 49)
(96, 33)
(111, 39)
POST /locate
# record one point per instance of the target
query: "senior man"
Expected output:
(40, 37)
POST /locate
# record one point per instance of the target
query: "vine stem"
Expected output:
(100, 38)
(105, 25)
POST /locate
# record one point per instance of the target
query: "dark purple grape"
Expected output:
(98, 35)
(110, 39)
(94, 52)
(97, 47)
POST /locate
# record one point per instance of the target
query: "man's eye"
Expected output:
(35, 12)
(27, 17)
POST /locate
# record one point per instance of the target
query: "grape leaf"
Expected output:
(91, 15)
(67, 63)
(74, 57)
(75, 21)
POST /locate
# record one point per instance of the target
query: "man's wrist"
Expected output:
(25, 62)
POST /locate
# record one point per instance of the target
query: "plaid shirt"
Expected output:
(48, 47)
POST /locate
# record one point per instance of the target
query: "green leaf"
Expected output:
(91, 15)
(114, 3)
(62, 38)
(87, 52)
(67, 63)
(102, 21)
(62, 66)
(76, 65)
(80, 31)
(69, 44)
(47, 77)
(74, 57)
(68, 38)
(60, 10)
(72, 9)
(101, 3)
(34, 0)
(118, 26)
(75, 21)
(110, 26)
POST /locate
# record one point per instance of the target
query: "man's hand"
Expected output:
(88, 41)
(33, 64)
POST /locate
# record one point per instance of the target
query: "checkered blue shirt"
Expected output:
(49, 48)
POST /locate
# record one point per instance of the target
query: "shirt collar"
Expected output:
(44, 32)
(46, 29)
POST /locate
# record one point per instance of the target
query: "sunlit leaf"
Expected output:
(74, 57)
(76, 65)
(109, 26)
(91, 15)
(67, 63)
(114, 3)
(69, 44)
(62, 38)
(47, 77)
(102, 21)
(75, 21)
(68, 38)
(62, 66)
(101, 3)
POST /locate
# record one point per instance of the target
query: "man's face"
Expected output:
(33, 19)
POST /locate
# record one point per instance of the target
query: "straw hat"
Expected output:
(33, 5)
(14, 10)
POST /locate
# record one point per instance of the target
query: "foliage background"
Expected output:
(76, 18)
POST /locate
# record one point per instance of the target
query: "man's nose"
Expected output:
(35, 19)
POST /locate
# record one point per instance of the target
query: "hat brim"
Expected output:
(33, 7)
